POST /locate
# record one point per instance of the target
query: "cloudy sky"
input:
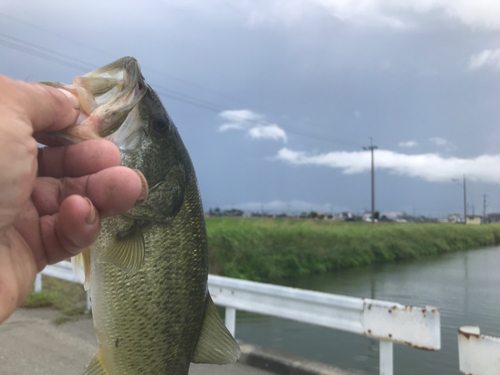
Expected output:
(275, 99)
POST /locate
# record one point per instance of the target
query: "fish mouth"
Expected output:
(109, 99)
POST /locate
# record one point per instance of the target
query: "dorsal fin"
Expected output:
(215, 345)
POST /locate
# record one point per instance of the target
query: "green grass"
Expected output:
(65, 296)
(270, 249)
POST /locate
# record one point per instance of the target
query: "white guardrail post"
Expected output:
(61, 270)
(38, 282)
(386, 362)
(385, 321)
(478, 354)
(230, 320)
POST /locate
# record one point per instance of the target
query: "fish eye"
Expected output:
(160, 126)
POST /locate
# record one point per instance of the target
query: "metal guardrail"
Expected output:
(385, 321)
(478, 354)
(61, 270)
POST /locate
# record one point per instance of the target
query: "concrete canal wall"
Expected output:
(286, 364)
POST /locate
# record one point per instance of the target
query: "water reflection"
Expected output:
(463, 285)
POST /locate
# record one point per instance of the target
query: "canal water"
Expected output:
(465, 286)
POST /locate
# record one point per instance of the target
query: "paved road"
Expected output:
(31, 344)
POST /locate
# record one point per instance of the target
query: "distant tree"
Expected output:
(233, 212)
(313, 215)
(376, 215)
(215, 212)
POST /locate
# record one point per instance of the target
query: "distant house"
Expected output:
(347, 216)
(367, 216)
(474, 220)
(393, 215)
(454, 218)
(493, 218)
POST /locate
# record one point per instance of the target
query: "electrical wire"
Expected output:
(103, 52)
(84, 66)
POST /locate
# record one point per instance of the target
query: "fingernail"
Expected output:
(145, 188)
(92, 216)
(72, 98)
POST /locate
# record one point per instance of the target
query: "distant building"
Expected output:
(347, 216)
(474, 220)
(393, 215)
(454, 218)
(493, 218)
(367, 216)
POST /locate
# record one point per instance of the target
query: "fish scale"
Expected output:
(159, 306)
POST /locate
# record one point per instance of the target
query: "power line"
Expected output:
(84, 66)
(175, 95)
(171, 94)
(51, 32)
(74, 41)
(43, 55)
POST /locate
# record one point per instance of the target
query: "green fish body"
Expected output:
(148, 269)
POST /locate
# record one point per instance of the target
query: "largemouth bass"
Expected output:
(147, 272)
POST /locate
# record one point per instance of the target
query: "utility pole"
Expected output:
(484, 208)
(465, 198)
(372, 148)
(465, 202)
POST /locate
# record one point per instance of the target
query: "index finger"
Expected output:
(44, 107)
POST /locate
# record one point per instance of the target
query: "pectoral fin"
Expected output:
(96, 366)
(81, 266)
(127, 251)
(215, 344)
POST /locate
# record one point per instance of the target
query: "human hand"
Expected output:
(51, 199)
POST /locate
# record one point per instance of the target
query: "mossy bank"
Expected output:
(269, 249)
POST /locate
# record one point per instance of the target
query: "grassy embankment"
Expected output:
(69, 298)
(267, 249)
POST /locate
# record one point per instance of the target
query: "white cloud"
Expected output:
(486, 58)
(294, 206)
(267, 132)
(407, 144)
(241, 115)
(255, 125)
(431, 167)
(438, 141)
(392, 13)
(239, 119)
